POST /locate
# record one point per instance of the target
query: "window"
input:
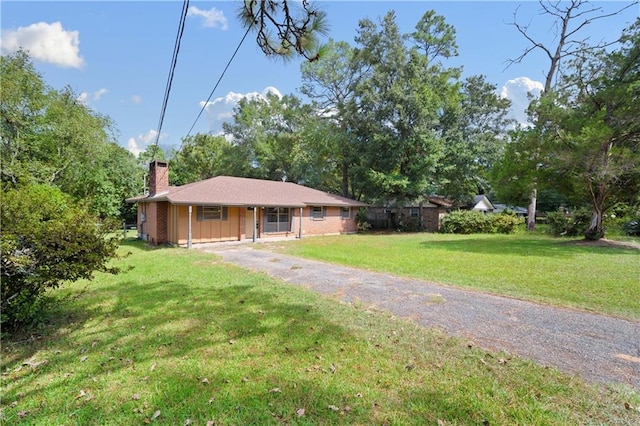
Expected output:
(211, 213)
(317, 212)
(278, 219)
(415, 212)
(345, 212)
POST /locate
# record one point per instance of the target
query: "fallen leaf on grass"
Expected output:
(333, 408)
(300, 412)
(153, 366)
(84, 358)
(205, 380)
(211, 423)
(275, 390)
(22, 414)
(136, 396)
(187, 422)
(35, 364)
(212, 399)
(155, 415)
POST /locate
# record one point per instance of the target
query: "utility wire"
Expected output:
(174, 60)
(204, 106)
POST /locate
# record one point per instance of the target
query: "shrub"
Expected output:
(558, 222)
(362, 220)
(464, 222)
(409, 224)
(506, 223)
(475, 222)
(46, 240)
(572, 225)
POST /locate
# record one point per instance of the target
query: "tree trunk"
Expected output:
(531, 211)
(595, 230)
(345, 178)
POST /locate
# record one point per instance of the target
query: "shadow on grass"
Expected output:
(522, 246)
(266, 350)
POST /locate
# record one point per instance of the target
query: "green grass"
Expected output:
(530, 266)
(196, 340)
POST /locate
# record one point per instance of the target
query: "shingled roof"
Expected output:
(245, 192)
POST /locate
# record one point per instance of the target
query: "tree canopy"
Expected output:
(49, 137)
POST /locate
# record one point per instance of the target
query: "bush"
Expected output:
(475, 222)
(362, 220)
(572, 225)
(46, 240)
(506, 223)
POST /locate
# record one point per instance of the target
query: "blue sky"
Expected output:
(116, 55)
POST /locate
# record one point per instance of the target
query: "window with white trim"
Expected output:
(317, 212)
(345, 212)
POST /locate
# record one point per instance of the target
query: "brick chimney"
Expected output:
(158, 177)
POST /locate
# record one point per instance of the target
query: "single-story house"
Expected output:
(481, 203)
(427, 214)
(226, 208)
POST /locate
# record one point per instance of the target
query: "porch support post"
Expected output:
(300, 224)
(255, 230)
(189, 236)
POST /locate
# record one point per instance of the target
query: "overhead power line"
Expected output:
(174, 60)
(204, 106)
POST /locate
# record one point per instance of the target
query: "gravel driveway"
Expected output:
(597, 347)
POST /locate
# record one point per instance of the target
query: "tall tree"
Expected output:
(49, 137)
(568, 19)
(331, 82)
(398, 107)
(475, 131)
(594, 123)
(22, 102)
(204, 156)
(269, 132)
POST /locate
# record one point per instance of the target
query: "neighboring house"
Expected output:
(481, 203)
(518, 211)
(427, 214)
(228, 208)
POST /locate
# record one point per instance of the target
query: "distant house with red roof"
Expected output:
(226, 208)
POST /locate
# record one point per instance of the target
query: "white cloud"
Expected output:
(45, 42)
(212, 18)
(221, 109)
(85, 98)
(519, 91)
(136, 99)
(141, 142)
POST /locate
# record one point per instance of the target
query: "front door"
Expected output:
(248, 223)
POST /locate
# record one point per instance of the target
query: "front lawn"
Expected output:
(184, 339)
(562, 272)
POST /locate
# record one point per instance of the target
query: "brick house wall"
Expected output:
(331, 223)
